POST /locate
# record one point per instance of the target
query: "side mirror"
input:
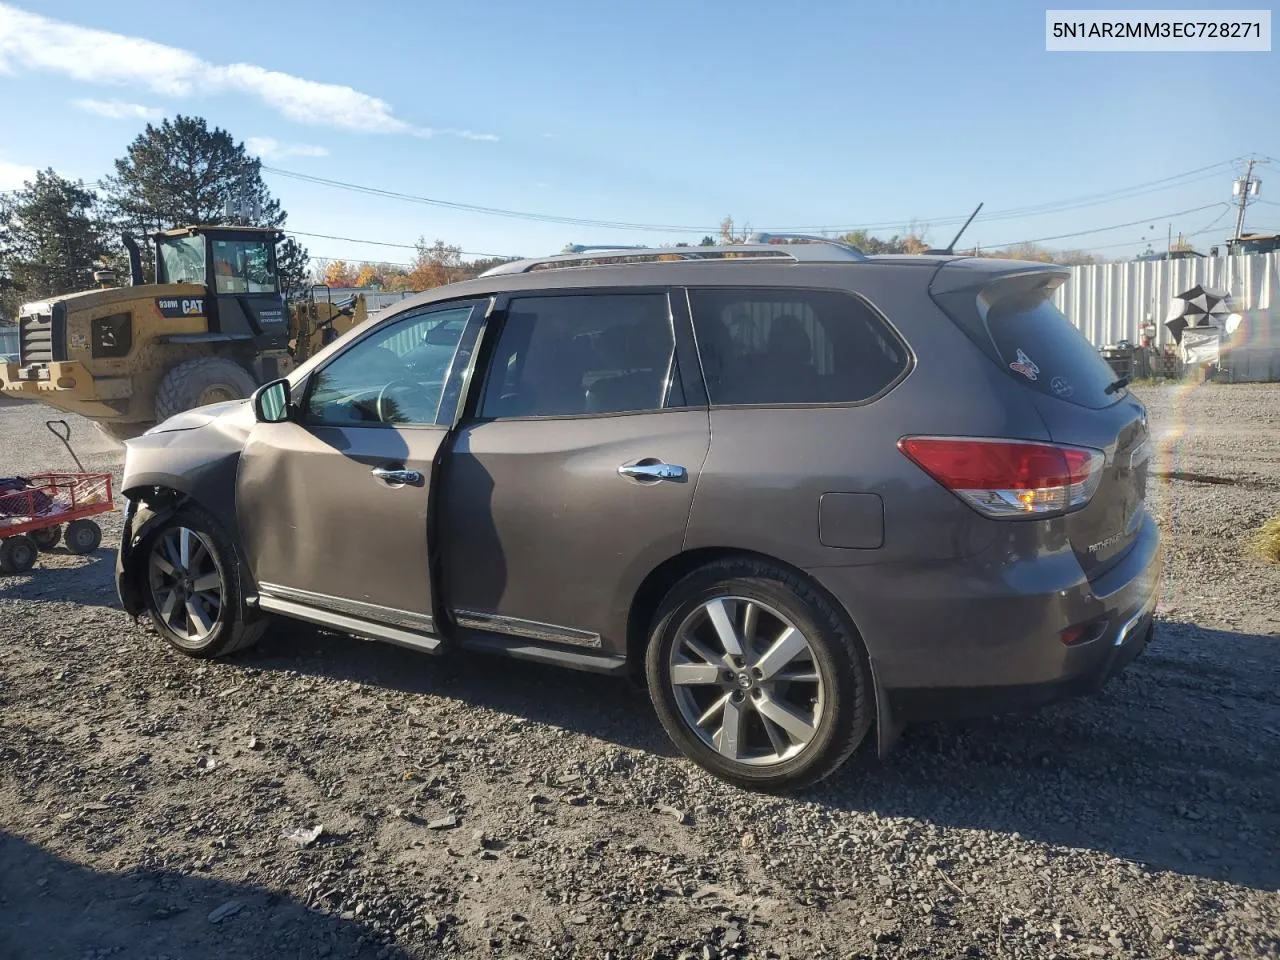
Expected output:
(271, 402)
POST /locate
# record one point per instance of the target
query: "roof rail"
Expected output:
(827, 251)
(777, 238)
(579, 248)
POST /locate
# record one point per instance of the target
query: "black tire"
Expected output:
(194, 383)
(236, 626)
(18, 554)
(837, 658)
(47, 538)
(83, 536)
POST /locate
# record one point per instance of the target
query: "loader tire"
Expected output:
(194, 383)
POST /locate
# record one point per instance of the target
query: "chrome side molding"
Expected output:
(532, 629)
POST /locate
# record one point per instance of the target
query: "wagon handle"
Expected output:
(65, 436)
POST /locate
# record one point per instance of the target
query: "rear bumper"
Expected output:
(981, 636)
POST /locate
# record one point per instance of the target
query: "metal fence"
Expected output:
(1111, 302)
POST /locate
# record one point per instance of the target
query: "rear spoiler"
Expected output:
(967, 289)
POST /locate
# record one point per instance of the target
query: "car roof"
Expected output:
(566, 275)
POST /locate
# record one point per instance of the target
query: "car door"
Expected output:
(333, 504)
(573, 474)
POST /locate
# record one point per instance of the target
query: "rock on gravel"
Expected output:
(1140, 822)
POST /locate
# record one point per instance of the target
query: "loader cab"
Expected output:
(237, 267)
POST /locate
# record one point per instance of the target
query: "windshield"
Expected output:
(244, 266)
(182, 260)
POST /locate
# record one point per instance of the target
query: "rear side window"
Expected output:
(788, 345)
(582, 355)
(1042, 347)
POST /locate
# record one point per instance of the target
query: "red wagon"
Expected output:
(39, 510)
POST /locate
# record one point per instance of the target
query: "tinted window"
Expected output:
(181, 260)
(395, 376)
(1042, 347)
(243, 266)
(793, 346)
(567, 356)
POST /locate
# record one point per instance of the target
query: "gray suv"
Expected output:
(807, 493)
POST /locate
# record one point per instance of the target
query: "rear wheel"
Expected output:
(191, 589)
(83, 536)
(47, 538)
(17, 554)
(756, 677)
(203, 380)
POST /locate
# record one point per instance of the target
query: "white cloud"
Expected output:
(14, 175)
(471, 135)
(30, 42)
(118, 109)
(269, 148)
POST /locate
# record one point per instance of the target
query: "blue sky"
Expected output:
(804, 114)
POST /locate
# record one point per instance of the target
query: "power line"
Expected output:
(1114, 226)
(384, 243)
(1151, 186)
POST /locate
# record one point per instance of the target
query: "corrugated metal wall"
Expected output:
(1110, 302)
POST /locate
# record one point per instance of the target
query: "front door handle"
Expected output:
(397, 478)
(652, 471)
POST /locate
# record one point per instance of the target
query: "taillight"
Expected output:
(1009, 478)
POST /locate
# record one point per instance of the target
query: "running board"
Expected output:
(356, 626)
(519, 648)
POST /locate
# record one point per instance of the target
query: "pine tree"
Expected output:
(50, 237)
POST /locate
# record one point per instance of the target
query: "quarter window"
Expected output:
(396, 376)
(591, 354)
(765, 346)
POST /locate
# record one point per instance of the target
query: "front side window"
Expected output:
(767, 346)
(182, 260)
(394, 377)
(243, 266)
(579, 355)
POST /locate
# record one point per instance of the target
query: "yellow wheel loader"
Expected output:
(213, 327)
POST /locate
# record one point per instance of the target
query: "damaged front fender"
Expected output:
(141, 516)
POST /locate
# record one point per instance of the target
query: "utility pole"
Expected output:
(1244, 188)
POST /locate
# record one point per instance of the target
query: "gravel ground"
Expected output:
(474, 806)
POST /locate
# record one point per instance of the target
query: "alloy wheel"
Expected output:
(746, 681)
(186, 584)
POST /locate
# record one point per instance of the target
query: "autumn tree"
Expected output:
(435, 264)
(50, 237)
(339, 273)
(1039, 254)
(730, 235)
(913, 242)
(369, 276)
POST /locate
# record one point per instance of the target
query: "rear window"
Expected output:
(1041, 346)
(778, 346)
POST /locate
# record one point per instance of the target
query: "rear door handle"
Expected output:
(397, 478)
(650, 471)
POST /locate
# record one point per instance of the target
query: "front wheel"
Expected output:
(17, 554)
(756, 677)
(192, 592)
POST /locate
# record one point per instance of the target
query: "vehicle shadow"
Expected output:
(54, 909)
(1172, 765)
(89, 581)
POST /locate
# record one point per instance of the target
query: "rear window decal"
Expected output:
(1062, 387)
(1025, 366)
